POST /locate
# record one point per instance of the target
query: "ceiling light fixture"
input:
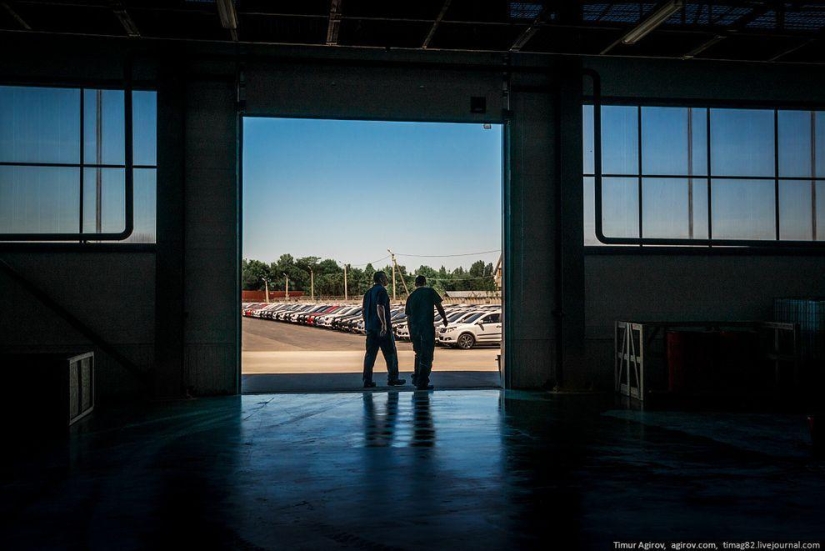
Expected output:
(656, 18)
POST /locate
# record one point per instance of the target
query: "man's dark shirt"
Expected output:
(377, 295)
(419, 309)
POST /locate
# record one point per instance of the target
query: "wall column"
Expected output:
(170, 271)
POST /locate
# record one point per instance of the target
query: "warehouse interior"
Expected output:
(557, 457)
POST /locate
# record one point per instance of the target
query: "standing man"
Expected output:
(378, 326)
(421, 321)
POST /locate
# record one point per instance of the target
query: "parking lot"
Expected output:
(288, 348)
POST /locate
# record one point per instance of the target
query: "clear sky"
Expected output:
(350, 190)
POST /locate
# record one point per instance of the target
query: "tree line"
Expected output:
(328, 276)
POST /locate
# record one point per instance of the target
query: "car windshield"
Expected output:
(474, 317)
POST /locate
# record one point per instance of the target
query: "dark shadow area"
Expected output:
(351, 382)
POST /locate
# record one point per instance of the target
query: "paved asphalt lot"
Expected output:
(274, 347)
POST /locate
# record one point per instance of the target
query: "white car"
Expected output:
(402, 331)
(479, 328)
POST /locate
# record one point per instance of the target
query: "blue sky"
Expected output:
(349, 190)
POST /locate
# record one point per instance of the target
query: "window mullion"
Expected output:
(82, 157)
(776, 171)
(639, 160)
(813, 175)
(690, 170)
(710, 179)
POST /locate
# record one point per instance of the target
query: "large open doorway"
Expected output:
(326, 203)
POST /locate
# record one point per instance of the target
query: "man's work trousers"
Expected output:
(423, 342)
(387, 346)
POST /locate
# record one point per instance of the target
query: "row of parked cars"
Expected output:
(467, 325)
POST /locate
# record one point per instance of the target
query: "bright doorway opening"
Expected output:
(326, 203)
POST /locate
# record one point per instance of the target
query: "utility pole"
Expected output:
(394, 267)
(286, 294)
(346, 296)
(312, 283)
(392, 254)
(266, 286)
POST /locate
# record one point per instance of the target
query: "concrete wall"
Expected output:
(721, 285)
(110, 293)
(212, 306)
(662, 287)
(181, 317)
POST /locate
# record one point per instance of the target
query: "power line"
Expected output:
(373, 262)
(458, 278)
(447, 255)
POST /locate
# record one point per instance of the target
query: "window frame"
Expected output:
(698, 244)
(80, 239)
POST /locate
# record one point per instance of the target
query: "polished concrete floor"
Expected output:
(473, 469)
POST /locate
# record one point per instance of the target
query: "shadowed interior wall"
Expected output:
(197, 335)
(629, 285)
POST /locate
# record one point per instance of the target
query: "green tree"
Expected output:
(309, 266)
(298, 278)
(355, 281)
(253, 274)
(481, 277)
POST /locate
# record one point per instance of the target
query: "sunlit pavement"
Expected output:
(351, 361)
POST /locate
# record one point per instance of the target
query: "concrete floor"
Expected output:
(474, 469)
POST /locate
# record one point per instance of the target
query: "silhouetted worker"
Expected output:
(378, 326)
(421, 321)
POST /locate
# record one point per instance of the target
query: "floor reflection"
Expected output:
(379, 427)
(423, 429)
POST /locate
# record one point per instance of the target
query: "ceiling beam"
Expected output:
(793, 49)
(334, 26)
(529, 32)
(647, 25)
(125, 19)
(436, 23)
(756, 12)
(705, 46)
(15, 16)
(229, 17)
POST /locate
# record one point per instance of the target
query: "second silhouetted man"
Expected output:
(421, 319)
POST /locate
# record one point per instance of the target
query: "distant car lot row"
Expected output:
(467, 325)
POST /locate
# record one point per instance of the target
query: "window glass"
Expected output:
(819, 136)
(104, 200)
(145, 187)
(698, 191)
(590, 212)
(743, 209)
(795, 210)
(620, 140)
(39, 125)
(587, 142)
(620, 207)
(46, 126)
(35, 199)
(820, 211)
(104, 140)
(699, 149)
(794, 131)
(145, 127)
(742, 142)
(665, 141)
(665, 208)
